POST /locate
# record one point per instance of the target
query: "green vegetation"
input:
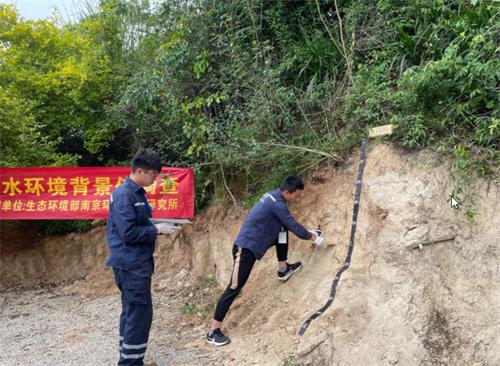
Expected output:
(208, 282)
(53, 82)
(54, 227)
(240, 89)
(188, 308)
(202, 298)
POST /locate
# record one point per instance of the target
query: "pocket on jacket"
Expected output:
(142, 214)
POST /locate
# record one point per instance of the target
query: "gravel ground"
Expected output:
(48, 327)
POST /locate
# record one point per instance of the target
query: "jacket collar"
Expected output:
(133, 185)
(277, 194)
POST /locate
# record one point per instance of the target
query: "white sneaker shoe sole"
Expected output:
(285, 278)
(213, 342)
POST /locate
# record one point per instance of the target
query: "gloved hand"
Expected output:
(163, 228)
(319, 241)
(316, 231)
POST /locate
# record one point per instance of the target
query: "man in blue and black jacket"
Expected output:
(131, 239)
(266, 225)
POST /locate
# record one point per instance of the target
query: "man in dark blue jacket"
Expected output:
(131, 239)
(266, 225)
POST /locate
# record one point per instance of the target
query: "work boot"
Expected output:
(217, 338)
(289, 271)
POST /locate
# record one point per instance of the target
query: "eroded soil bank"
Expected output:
(436, 306)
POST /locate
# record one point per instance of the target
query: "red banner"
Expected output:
(83, 193)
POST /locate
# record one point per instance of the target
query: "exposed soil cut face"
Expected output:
(438, 305)
(29, 259)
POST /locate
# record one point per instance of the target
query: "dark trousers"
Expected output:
(136, 317)
(243, 261)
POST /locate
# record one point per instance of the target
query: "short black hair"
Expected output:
(146, 159)
(291, 183)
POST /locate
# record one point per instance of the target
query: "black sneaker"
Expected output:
(290, 270)
(217, 338)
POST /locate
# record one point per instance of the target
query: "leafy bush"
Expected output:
(246, 92)
(57, 227)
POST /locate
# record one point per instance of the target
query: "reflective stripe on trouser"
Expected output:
(236, 269)
(136, 317)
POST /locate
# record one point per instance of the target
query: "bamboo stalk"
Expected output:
(322, 153)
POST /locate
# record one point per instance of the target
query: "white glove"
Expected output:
(320, 241)
(163, 228)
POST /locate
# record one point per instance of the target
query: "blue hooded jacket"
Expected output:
(131, 236)
(264, 222)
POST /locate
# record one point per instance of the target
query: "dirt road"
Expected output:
(51, 327)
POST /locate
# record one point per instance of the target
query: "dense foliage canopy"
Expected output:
(247, 91)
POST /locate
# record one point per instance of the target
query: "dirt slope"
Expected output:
(438, 305)
(28, 259)
(435, 306)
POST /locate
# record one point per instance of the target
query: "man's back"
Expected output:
(264, 222)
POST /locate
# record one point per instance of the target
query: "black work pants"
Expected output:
(243, 261)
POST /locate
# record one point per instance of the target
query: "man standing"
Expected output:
(131, 239)
(266, 225)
